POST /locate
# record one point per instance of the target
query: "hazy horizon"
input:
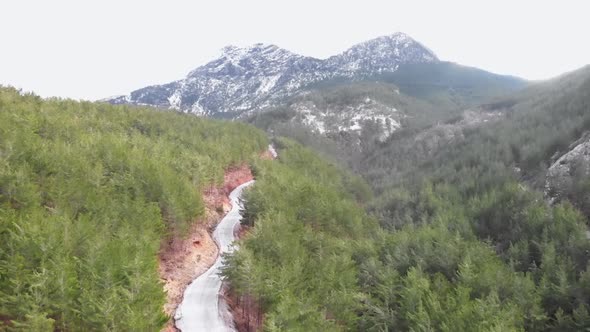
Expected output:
(98, 49)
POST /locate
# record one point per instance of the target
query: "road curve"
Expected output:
(200, 309)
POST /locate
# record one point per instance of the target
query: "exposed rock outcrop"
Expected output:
(569, 168)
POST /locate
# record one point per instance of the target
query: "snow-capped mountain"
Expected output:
(242, 80)
(379, 55)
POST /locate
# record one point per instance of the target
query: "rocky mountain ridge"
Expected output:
(244, 79)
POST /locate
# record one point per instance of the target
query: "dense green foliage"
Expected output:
(532, 257)
(315, 261)
(298, 260)
(470, 243)
(470, 187)
(536, 125)
(87, 192)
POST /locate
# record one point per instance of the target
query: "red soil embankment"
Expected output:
(183, 258)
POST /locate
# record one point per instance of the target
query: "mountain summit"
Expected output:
(383, 54)
(243, 79)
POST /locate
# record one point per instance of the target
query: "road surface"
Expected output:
(200, 308)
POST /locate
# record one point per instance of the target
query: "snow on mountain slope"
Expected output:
(254, 77)
(379, 55)
(352, 118)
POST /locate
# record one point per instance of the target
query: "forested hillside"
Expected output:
(467, 241)
(502, 261)
(258, 166)
(451, 233)
(346, 120)
(343, 120)
(530, 129)
(297, 261)
(485, 184)
(87, 192)
(449, 85)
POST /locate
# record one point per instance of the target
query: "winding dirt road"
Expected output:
(200, 309)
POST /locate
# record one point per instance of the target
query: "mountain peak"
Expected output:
(397, 36)
(232, 50)
(398, 45)
(235, 53)
(381, 54)
(243, 79)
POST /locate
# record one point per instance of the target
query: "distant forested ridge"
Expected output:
(346, 120)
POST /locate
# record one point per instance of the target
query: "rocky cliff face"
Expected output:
(564, 173)
(242, 80)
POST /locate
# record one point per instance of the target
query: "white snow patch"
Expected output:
(197, 109)
(312, 121)
(267, 83)
(175, 99)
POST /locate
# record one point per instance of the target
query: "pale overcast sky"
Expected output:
(95, 49)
